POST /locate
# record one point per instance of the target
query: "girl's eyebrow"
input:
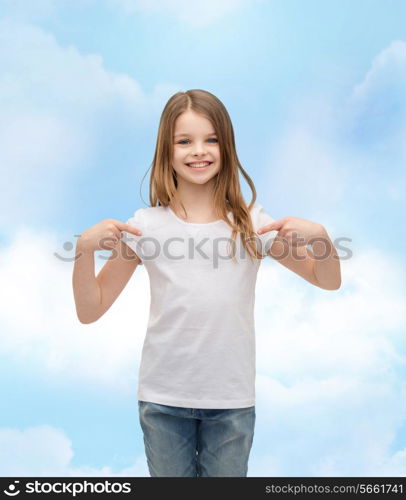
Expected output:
(189, 135)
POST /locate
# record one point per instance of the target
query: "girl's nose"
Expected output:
(198, 149)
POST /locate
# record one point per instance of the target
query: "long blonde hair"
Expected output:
(227, 191)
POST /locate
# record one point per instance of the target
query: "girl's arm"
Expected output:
(303, 264)
(95, 295)
(115, 274)
(86, 289)
(321, 267)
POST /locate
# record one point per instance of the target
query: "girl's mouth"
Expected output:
(199, 166)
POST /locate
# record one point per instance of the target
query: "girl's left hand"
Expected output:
(295, 231)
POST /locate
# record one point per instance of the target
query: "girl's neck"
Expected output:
(198, 203)
(195, 198)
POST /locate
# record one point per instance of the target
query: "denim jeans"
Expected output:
(189, 442)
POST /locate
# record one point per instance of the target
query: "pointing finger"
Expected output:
(270, 227)
(129, 229)
(276, 225)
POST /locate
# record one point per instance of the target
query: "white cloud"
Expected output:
(333, 332)
(337, 426)
(388, 69)
(43, 76)
(39, 324)
(56, 103)
(330, 392)
(46, 451)
(376, 111)
(332, 152)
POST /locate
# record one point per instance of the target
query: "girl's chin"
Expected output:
(196, 179)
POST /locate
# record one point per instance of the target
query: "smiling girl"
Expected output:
(200, 245)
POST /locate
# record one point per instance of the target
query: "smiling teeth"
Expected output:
(199, 165)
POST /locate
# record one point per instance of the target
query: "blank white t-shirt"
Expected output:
(199, 348)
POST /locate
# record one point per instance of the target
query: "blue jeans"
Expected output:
(189, 442)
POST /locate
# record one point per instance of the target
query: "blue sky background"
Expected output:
(316, 93)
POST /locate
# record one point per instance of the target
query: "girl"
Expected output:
(196, 391)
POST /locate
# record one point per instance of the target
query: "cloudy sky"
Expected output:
(316, 93)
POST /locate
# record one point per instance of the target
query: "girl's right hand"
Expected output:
(104, 235)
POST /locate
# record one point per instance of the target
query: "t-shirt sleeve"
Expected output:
(132, 240)
(260, 219)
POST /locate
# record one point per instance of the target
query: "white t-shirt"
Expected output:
(199, 348)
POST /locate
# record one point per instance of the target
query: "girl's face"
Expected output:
(195, 141)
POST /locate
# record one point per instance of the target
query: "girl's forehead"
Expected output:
(188, 129)
(188, 118)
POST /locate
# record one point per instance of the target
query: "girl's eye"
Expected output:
(184, 140)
